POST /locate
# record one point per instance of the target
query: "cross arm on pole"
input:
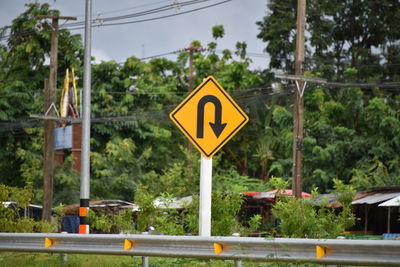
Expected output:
(300, 78)
(55, 17)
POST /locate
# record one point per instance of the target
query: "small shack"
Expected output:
(261, 203)
(30, 211)
(373, 218)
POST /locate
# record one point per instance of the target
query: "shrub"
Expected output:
(305, 218)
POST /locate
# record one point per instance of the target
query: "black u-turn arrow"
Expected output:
(217, 126)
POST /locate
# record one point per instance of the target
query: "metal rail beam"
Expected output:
(324, 251)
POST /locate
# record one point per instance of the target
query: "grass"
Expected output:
(17, 259)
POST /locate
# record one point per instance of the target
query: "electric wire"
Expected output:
(259, 96)
(60, 76)
(156, 18)
(138, 14)
(152, 11)
(130, 8)
(152, 114)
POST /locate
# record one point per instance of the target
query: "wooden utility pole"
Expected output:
(49, 125)
(191, 50)
(298, 110)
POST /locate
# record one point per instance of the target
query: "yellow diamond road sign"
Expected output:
(209, 117)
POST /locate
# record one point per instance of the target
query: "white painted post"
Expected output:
(205, 196)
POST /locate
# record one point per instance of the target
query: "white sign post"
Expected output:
(205, 196)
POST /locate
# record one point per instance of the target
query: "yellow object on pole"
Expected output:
(69, 96)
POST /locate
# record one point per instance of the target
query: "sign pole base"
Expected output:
(205, 196)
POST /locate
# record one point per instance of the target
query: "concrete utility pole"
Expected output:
(50, 98)
(298, 110)
(85, 160)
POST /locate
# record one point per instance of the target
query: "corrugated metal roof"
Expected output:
(260, 195)
(394, 202)
(375, 198)
(272, 194)
(8, 203)
(109, 203)
(176, 203)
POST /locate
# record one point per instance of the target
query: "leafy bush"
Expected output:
(224, 209)
(305, 218)
(112, 223)
(10, 220)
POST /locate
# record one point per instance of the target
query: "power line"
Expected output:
(120, 63)
(259, 94)
(138, 14)
(388, 86)
(75, 26)
(362, 85)
(344, 62)
(160, 55)
(156, 18)
(131, 8)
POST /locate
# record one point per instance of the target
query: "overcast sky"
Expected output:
(159, 36)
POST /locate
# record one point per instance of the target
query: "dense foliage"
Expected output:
(309, 218)
(350, 131)
(14, 201)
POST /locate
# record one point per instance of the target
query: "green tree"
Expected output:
(341, 34)
(22, 74)
(346, 129)
(66, 179)
(117, 170)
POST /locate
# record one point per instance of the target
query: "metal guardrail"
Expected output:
(324, 251)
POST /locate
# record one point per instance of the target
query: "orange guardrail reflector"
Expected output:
(320, 251)
(128, 244)
(218, 248)
(48, 242)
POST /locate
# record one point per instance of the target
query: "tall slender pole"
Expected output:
(48, 161)
(85, 161)
(205, 196)
(49, 125)
(298, 110)
(191, 50)
(191, 77)
(190, 89)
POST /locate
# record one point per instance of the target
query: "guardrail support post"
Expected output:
(238, 263)
(64, 256)
(145, 261)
